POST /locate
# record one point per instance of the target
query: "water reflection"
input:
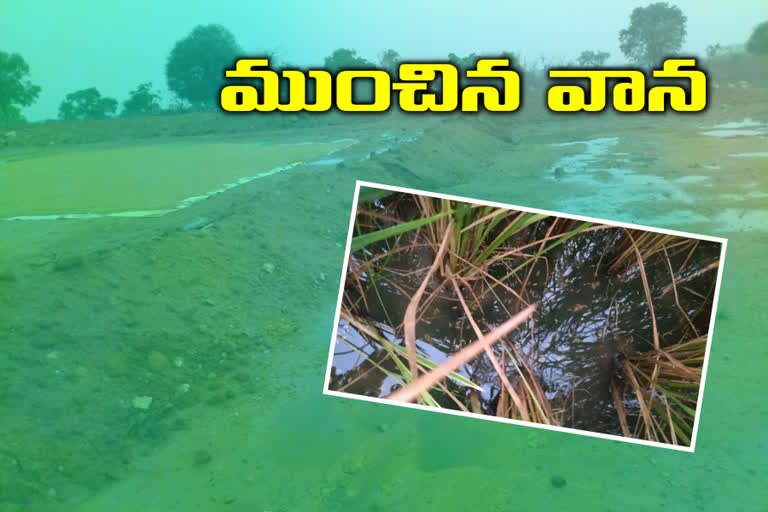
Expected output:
(593, 312)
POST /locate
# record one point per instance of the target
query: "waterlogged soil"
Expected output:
(589, 317)
(226, 326)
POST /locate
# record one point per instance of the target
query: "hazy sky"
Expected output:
(114, 46)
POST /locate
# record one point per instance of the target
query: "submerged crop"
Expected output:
(616, 344)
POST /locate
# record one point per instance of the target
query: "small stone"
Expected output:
(268, 268)
(198, 223)
(69, 262)
(157, 361)
(81, 372)
(202, 457)
(323, 276)
(142, 402)
(557, 481)
(7, 275)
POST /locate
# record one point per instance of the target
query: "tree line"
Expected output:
(194, 67)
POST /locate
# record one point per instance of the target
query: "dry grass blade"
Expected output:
(670, 421)
(409, 319)
(647, 290)
(677, 299)
(620, 409)
(646, 413)
(498, 211)
(695, 274)
(460, 358)
(690, 373)
(502, 375)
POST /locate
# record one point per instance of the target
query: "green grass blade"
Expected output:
(362, 241)
(432, 365)
(524, 221)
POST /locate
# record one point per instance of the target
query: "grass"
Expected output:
(665, 380)
(467, 239)
(462, 256)
(666, 385)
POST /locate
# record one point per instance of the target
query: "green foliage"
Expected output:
(590, 59)
(196, 64)
(514, 59)
(758, 41)
(87, 104)
(17, 90)
(389, 60)
(463, 63)
(361, 241)
(178, 106)
(714, 50)
(654, 32)
(141, 101)
(346, 58)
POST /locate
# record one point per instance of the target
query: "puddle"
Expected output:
(391, 141)
(756, 154)
(620, 192)
(692, 179)
(746, 123)
(151, 213)
(744, 128)
(741, 220)
(747, 193)
(733, 133)
(327, 161)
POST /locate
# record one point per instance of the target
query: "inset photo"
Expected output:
(525, 316)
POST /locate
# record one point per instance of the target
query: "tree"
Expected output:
(142, 100)
(86, 104)
(15, 89)
(389, 60)
(196, 64)
(714, 50)
(346, 58)
(463, 63)
(514, 59)
(590, 59)
(654, 32)
(758, 41)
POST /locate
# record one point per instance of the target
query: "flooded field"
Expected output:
(573, 360)
(176, 361)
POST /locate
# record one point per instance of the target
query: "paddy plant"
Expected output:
(525, 316)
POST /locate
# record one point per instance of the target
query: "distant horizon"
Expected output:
(71, 49)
